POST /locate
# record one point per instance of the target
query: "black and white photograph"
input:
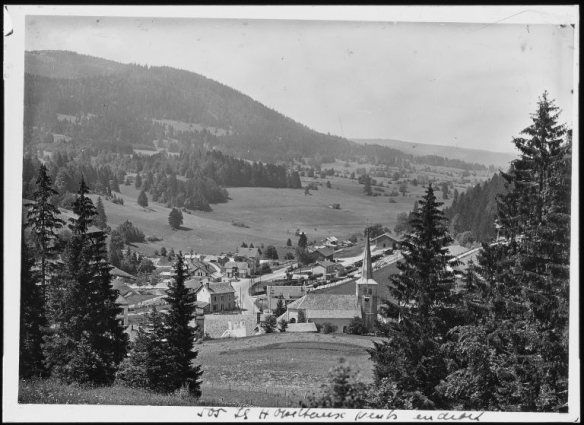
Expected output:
(299, 213)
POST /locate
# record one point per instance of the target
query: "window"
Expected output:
(222, 307)
(214, 308)
(214, 298)
(222, 297)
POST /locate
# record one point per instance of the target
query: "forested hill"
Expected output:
(124, 105)
(472, 214)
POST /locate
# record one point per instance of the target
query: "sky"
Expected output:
(467, 85)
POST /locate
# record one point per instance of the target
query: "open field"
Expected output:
(273, 215)
(278, 368)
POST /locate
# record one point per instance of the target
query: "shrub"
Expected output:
(129, 233)
(270, 324)
(329, 328)
(318, 327)
(392, 201)
(118, 201)
(357, 326)
(153, 239)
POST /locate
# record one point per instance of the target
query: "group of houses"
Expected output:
(217, 311)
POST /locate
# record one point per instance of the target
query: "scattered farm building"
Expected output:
(288, 293)
(387, 241)
(236, 269)
(322, 254)
(327, 269)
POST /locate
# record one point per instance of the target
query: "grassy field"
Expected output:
(273, 215)
(278, 369)
(271, 370)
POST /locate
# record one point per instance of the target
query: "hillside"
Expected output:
(498, 159)
(102, 102)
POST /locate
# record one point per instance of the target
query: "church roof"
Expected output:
(328, 302)
(367, 268)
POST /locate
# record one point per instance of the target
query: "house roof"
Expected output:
(332, 314)
(121, 301)
(219, 288)
(328, 302)
(286, 291)
(117, 272)
(120, 286)
(301, 327)
(238, 264)
(193, 284)
(248, 252)
(326, 252)
(325, 263)
(387, 235)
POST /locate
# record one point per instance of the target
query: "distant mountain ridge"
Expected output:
(500, 159)
(126, 105)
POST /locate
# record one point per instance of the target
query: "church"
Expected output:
(340, 309)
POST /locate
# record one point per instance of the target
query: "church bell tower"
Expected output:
(366, 289)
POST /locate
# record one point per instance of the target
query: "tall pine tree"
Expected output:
(513, 355)
(180, 334)
(100, 219)
(32, 316)
(43, 220)
(408, 366)
(86, 342)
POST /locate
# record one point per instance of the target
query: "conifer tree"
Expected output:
(408, 365)
(86, 342)
(32, 317)
(143, 199)
(138, 181)
(175, 218)
(522, 285)
(302, 241)
(180, 335)
(43, 220)
(100, 219)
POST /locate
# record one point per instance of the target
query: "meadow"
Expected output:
(272, 216)
(270, 370)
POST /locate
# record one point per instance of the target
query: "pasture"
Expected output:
(277, 369)
(273, 215)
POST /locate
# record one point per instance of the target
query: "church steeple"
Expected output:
(366, 288)
(367, 268)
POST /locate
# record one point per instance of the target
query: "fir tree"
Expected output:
(143, 199)
(520, 288)
(289, 242)
(302, 241)
(280, 307)
(409, 365)
(175, 218)
(138, 181)
(180, 334)
(32, 317)
(101, 218)
(86, 342)
(43, 220)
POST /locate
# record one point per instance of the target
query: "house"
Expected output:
(236, 269)
(287, 293)
(220, 296)
(331, 242)
(321, 308)
(200, 269)
(217, 259)
(122, 275)
(251, 255)
(216, 325)
(387, 241)
(320, 254)
(327, 269)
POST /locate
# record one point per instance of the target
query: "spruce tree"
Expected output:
(43, 220)
(138, 181)
(32, 316)
(520, 296)
(180, 335)
(143, 199)
(100, 218)
(302, 241)
(86, 342)
(408, 366)
(175, 218)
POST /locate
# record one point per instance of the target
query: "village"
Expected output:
(237, 292)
